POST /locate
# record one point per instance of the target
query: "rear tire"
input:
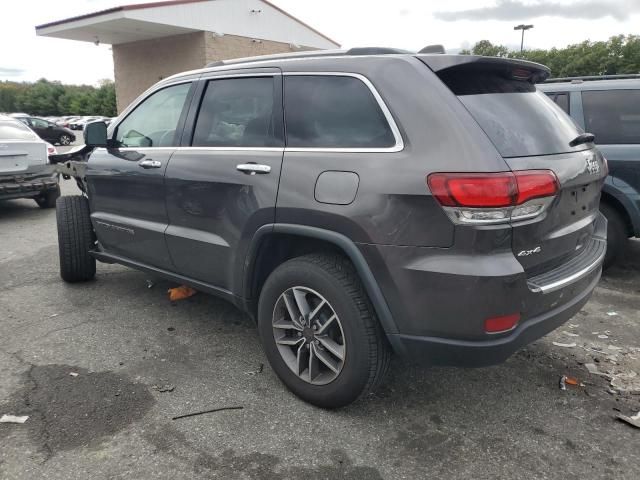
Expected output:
(616, 234)
(48, 199)
(64, 139)
(75, 239)
(362, 344)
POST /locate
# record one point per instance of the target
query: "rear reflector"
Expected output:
(493, 197)
(501, 324)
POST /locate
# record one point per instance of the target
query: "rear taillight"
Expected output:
(481, 198)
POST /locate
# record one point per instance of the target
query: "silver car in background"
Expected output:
(25, 170)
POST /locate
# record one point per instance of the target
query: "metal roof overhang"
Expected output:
(111, 28)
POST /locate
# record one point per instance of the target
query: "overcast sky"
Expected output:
(409, 24)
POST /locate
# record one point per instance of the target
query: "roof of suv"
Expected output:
(621, 82)
(436, 61)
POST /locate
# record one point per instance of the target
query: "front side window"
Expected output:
(237, 112)
(613, 116)
(153, 123)
(333, 112)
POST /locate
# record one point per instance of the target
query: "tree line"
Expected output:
(46, 98)
(618, 55)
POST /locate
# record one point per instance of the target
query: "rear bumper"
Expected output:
(441, 298)
(453, 352)
(30, 183)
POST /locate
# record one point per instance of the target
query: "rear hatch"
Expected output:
(20, 147)
(532, 133)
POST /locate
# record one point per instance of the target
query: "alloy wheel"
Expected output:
(309, 335)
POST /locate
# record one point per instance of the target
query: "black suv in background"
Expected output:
(49, 131)
(354, 203)
(609, 107)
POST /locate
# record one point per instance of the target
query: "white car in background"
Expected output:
(25, 170)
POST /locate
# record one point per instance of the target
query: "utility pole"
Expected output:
(522, 27)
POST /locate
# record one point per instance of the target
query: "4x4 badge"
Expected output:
(526, 253)
(592, 165)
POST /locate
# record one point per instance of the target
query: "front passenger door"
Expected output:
(126, 180)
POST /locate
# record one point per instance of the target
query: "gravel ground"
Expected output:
(140, 361)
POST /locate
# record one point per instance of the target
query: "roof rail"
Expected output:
(376, 51)
(276, 56)
(590, 78)
(311, 54)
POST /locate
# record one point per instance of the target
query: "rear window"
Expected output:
(519, 120)
(613, 116)
(14, 130)
(333, 112)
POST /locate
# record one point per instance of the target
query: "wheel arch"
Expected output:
(310, 239)
(612, 198)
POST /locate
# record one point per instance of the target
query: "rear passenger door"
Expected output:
(126, 180)
(222, 182)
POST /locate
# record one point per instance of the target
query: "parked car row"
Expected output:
(78, 123)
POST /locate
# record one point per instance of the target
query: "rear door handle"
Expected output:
(150, 163)
(253, 168)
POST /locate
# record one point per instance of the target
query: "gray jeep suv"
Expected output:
(355, 204)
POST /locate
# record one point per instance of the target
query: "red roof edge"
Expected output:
(169, 3)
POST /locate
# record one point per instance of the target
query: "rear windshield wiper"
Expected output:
(582, 138)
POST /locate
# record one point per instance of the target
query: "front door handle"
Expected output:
(253, 168)
(150, 163)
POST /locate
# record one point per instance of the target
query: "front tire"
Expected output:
(319, 331)
(48, 199)
(616, 234)
(75, 239)
(64, 139)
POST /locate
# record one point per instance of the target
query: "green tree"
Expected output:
(618, 55)
(487, 49)
(47, 98)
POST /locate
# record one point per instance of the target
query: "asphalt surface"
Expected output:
(141, 360)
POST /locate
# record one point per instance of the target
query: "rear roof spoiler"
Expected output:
(438, 63)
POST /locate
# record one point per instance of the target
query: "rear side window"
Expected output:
(519, 120)
(153, 123)
(238, 112)
(560, 99)
(613, 116)
(15, 130)
(333, 112)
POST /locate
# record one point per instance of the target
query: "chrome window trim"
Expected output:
(399, 142)
(210, 76)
